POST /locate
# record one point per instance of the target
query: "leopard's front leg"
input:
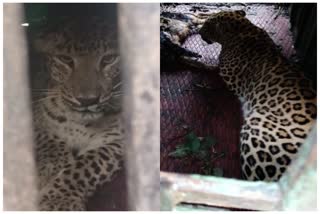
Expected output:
(70, 189)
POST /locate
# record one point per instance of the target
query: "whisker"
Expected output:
(117, 95)
(117, 85)
(117, 92)
(111, 106)
(43, 99)
(45, 90)
(49, 96)
(49, 93)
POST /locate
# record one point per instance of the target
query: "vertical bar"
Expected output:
(19, 170)
(140, 54)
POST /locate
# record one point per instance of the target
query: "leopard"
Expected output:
(278, 100)
(78, 124)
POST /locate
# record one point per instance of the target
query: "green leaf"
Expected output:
(190, 137)
(179, 153)
(202, 154)
(206, 171)
(208, 142)
(180, 146)
(195, 145)
(217, 172)
(192, 142)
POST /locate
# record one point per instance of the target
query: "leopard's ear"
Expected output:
(241, 13)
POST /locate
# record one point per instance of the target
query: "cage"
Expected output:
(127, 190)
(197, 103)
(183, 101)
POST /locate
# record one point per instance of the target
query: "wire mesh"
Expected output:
(215, 112)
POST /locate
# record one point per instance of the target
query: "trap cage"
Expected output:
(197, 105)
(135, 189)
(295, 191)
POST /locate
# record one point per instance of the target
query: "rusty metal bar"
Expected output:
(140, 53)
(19, 170)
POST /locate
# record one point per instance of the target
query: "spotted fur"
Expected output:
(78, 126)
(279, 103)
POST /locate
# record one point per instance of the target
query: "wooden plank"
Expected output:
(214, 191)
(19, 184)
(140, 52)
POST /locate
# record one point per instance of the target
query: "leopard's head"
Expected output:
(223, 25)
(83, 61)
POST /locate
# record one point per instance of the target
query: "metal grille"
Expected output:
(183, 104)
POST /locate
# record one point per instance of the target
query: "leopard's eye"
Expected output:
(107, 60)
(66, 59)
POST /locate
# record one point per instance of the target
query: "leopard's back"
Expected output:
(279, 103)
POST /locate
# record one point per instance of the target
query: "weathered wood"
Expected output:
(299, 183)
(214, 191)
(140, 52)
(19, 188)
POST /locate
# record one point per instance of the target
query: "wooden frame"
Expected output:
(140, 53)
(140, 49)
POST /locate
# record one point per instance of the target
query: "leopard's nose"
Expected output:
(88, 101)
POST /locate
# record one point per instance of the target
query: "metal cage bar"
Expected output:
(140, 53)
